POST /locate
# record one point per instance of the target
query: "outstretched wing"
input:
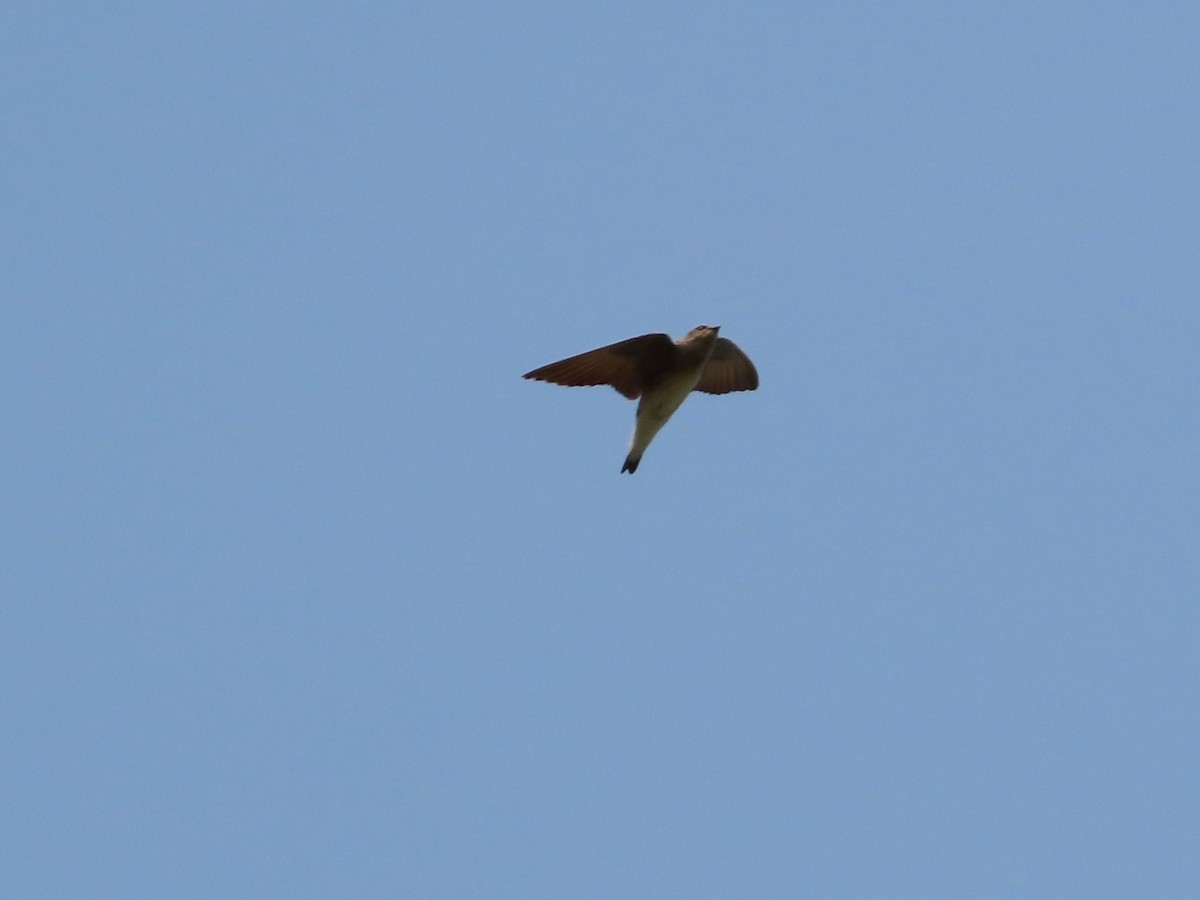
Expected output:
(629, 366)
(728, 369)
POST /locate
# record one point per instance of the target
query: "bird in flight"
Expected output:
(661, 372)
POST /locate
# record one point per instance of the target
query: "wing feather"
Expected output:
(626, 365)
(727, 370)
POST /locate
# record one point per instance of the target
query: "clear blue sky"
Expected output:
(307, 594)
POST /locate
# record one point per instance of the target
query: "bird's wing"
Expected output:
(627, 365)
(728, 369)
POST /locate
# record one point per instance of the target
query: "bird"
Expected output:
(661, 372)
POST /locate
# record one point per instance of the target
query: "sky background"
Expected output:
(305, 593)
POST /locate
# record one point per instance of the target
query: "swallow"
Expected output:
(661, 372)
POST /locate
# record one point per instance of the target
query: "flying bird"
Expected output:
(661, 372)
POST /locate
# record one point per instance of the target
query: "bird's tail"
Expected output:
(631, 463)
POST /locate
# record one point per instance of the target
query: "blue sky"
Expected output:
(308, 594)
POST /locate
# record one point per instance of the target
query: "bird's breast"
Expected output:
(661, 401)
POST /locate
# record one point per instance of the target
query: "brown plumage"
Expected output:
(660, 371)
